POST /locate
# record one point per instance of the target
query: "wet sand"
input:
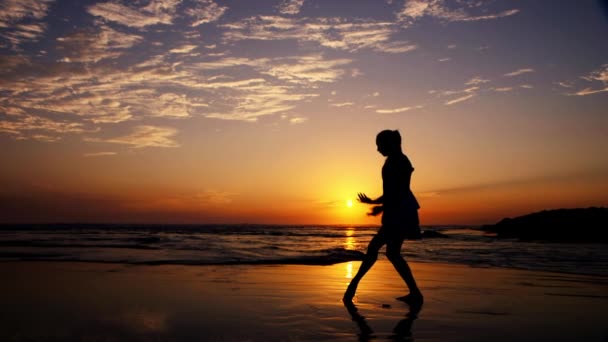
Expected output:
(68, 301)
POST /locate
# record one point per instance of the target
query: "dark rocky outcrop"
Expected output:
(559, 225)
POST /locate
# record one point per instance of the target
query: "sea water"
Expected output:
(284, 244)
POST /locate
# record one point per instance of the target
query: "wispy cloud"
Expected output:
(99, 154)
(415, 9)
(290, 6)
(307, 69)
(460, 99)
(476, 80)
(476, 86)
(356, 72)
(342, 104)
(262, 100)
(589, 91)
(469, 93)
(91, 95)
(205, 11)
(184, 49)
(519, 72)
(156, 12)
(334, 33)
(27, 126)
(599, 75)
(397, 110)
(94, 45)
(24, 19)
(297, 120)
(144, 136)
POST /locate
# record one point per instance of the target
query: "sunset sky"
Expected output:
(211, 111)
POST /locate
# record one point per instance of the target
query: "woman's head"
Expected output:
(388, 142)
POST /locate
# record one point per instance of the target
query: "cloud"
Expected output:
(89, 96)
(519, 72)
(297, 120)
(156, 12)
(10, 63)
(589, 91)
(144, 136)
(184, 49)
(469, 94)
(600, 75)
(397, 110)
(23, 20)
(444, 59)
(26, 126)
(205, 11)
(343, 104)
(94, 45)
(290, 6)
(356, 72)
(503, 89)
(334, 33)
(99, 154)
(460, 99)
(307, 69)
(258, 101)
(229, 62)
(415, 9)
(476, 80)
(395, 47)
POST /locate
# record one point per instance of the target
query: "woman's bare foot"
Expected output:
(412, 298)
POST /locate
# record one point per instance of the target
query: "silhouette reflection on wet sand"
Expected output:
(401, 332)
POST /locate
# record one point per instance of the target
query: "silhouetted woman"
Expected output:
(399, 209)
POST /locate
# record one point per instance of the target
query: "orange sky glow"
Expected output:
(184, 111)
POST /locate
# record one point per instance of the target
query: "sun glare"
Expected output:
(349, 203)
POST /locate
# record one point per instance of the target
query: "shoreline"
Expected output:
(283, 262)
(80, 300)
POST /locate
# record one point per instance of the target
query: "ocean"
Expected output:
(283, 244)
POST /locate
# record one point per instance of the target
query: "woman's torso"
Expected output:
(400, 204)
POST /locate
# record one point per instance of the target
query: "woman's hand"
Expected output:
(376, 210)
(364, 199)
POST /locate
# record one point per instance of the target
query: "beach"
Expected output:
(82, 301)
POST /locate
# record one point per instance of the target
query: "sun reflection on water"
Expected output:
(349, 270)
(350, 243)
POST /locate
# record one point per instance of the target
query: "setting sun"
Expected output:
(349, 203)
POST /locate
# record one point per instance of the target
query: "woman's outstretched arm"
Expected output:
(364, 199)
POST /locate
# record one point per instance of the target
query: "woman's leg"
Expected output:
(393, 253)
(368, 261)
